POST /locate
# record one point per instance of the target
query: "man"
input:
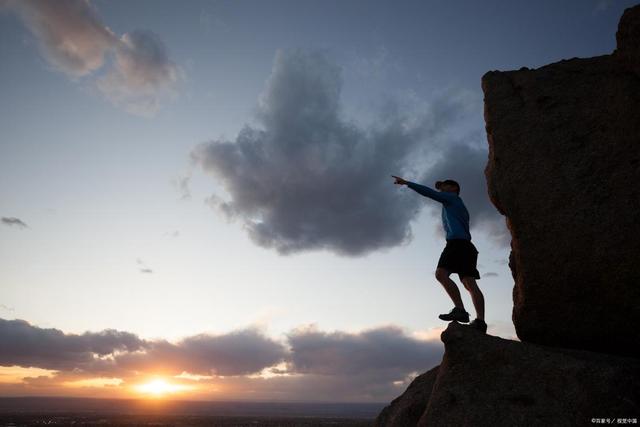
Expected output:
(459, 255)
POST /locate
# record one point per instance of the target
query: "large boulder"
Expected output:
(564, 168)
(407, 409)
(489, 381)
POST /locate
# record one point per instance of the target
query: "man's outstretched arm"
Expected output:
(424, 190)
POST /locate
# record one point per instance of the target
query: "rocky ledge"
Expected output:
(490, 381)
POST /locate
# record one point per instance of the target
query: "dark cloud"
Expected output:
(14, 222)
(236, 353)
(74, 40)
(53, 349)
(384, 351)
(369, 365)
(309, 179)
(374, 364)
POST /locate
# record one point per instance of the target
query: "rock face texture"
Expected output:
(407, 409)
(489, 381)
(564, 168)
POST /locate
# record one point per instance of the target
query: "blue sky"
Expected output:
(111, 157)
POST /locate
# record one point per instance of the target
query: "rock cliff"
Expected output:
(564, 163)
(564, 167)
(490, 381)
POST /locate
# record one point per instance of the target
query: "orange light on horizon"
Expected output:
(16, 374)
(100, 382)
(159, 387)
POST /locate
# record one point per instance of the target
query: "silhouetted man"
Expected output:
(459, 255)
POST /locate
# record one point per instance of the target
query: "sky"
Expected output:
(196, 197)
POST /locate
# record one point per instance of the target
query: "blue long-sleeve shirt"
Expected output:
(455, 217)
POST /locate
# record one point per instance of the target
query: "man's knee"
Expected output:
(469, 283)
(442, 274)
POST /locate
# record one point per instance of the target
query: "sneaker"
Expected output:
(480, 325)
(456, 313)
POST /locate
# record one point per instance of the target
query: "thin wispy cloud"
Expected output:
(308, 363)
(14, 222)
(142, 267)
(6, 307)
(307, 178)
(74, 40)
(182, 185)
(142, 71)
(601, 6)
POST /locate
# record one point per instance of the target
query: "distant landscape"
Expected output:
(32, 411)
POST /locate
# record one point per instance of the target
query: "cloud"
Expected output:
(182, 184)
(142, 71)
(490, 274)
(74, 40)
(143, 267)
(14, 222)
(368, 365)
(69, 33)
(53, 349)
(236, 353)
(601, 6)
(309, 179)
(382, 351)
(308, 364)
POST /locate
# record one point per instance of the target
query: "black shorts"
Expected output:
(460, 256)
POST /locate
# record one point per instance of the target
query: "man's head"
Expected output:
(448, 185)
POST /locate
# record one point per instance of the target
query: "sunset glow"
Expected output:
(197, 201)
(94, 382)
(159, 387)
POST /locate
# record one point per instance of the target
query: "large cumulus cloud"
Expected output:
(307, 178)
(74, 40)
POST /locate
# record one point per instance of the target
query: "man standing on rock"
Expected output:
(459, 255)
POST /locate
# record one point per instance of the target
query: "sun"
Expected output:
(159, 387)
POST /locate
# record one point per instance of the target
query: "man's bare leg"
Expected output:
(450, 286)
(476, 295)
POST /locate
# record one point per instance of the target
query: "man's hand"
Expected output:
(399, 181)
